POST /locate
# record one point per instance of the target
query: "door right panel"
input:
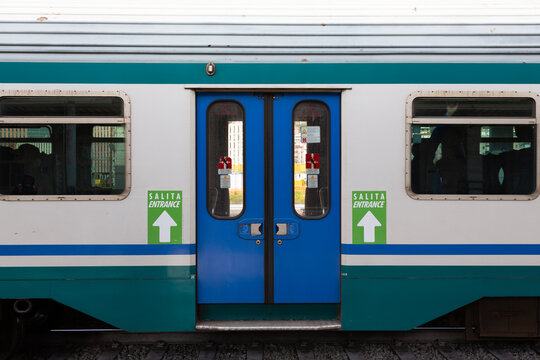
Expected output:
(307, 198)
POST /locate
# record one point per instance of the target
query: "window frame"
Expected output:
(410, 120)
(124, 120)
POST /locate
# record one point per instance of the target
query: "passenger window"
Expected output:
(225, 159)
(472, 148)
(311, 152)
(64, 147)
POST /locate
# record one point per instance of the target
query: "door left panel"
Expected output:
(230, 183)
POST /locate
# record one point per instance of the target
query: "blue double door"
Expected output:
(268, 198)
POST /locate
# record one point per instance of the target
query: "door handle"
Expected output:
(286, 229)
(251, 229)
(255, 229)
(281, 229)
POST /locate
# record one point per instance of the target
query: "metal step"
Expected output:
(267, 325)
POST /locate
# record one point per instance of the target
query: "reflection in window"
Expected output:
(72, 106)
(62, 159)
(491, 107)
(225, 159)
(311, 159)
(473, 159)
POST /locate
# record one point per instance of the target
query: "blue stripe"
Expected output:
(441, 249)
(74, 250)
(347, 249)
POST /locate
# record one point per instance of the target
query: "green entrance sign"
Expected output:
(369, 217)
(164, 217)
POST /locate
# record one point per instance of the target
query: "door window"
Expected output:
(311, 159)
(225, 159)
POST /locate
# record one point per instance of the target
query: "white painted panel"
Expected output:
(373, 148)
(132, 260)
(373, 158)
(440, 260)
(162, 150)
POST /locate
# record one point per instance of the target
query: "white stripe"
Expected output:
(441, 260)
(131, 260)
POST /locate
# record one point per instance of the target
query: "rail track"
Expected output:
(418, 344)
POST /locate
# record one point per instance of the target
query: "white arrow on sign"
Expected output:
(164, 222)
(369, 222)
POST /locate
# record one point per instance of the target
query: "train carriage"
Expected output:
(344, 168)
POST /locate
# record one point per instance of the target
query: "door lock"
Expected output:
(279, 242)
(258, 242)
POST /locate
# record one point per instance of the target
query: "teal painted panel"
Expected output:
(401, 298)
(25, 289)
(97, 272)
(268, 311)
(137, 299)
(133, 305)
(331, 73)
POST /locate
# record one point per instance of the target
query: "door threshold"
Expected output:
(267, 325)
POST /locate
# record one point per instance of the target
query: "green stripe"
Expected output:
(404, 297)
(334, 73)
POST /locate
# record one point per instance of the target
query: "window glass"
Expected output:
(473, 159)
(311, 182)
(481, 155)
(83, 106)
(225, 159)
(62, 159)
(473, 107)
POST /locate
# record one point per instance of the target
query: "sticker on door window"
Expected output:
(369, 217)
(164, 217)
(310, 134)
(225, 181)
(312, 164)
(225, 165)
(312, 181)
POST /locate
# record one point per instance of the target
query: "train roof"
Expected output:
(277, 31)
